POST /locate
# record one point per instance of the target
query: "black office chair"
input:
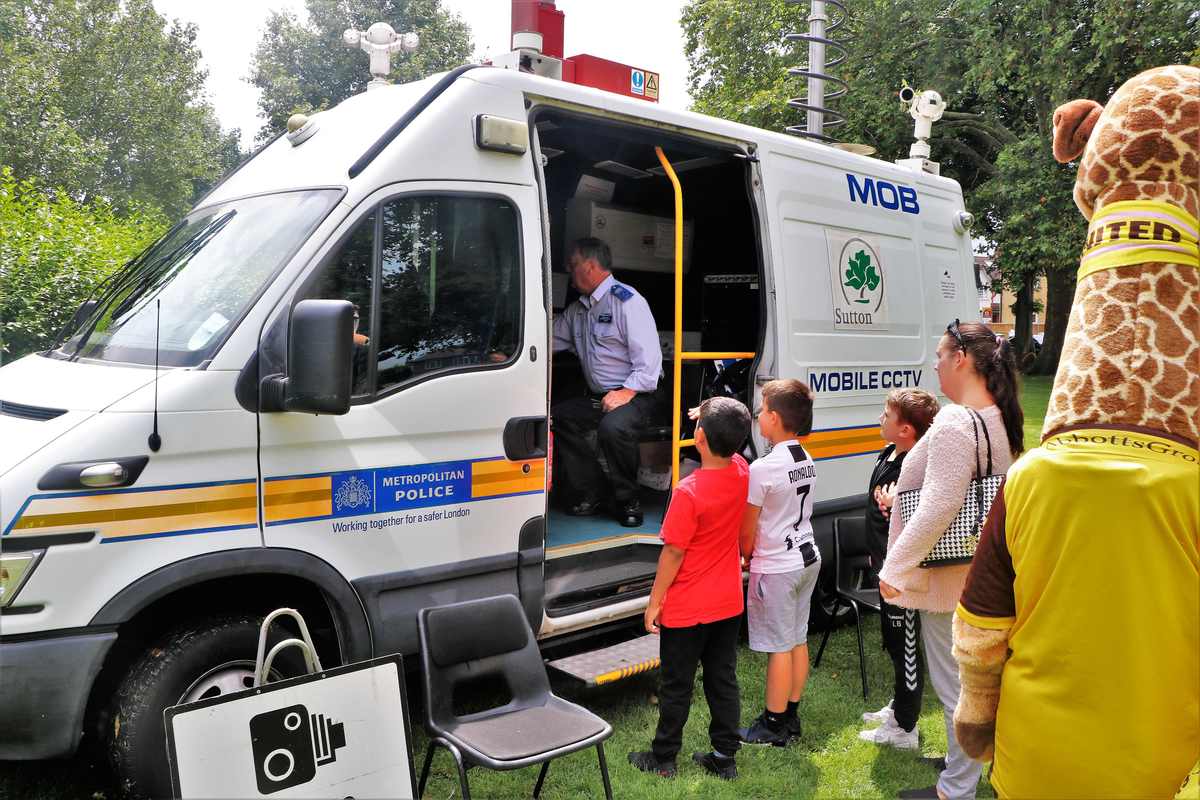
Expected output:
(491, 638)
(853, 582)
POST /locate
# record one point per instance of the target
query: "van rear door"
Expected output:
(851, 299)
(421, 494)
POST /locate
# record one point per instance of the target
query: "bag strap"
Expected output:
(975, 433)
(976, 415)
(979, 497)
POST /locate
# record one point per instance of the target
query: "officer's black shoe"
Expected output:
(724, 767)
(585, 508)
(647, 762)
(630, 514)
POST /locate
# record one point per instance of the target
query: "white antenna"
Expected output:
(380, 41)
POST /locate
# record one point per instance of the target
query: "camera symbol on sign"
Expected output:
(289, 744)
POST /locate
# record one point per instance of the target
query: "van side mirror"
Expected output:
(319, 361)
(83, 313)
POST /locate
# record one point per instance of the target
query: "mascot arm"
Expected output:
(986, 613)
(981, 653)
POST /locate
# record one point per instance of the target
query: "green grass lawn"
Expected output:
(1035, 395)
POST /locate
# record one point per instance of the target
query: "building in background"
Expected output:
(996, 305)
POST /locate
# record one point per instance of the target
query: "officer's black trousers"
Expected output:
(576, 468)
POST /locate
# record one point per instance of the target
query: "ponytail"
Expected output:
(1004, 384)
(995, 361)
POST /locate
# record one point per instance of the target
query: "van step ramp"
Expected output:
(611, 664)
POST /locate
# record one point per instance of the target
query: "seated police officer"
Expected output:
(611, 330)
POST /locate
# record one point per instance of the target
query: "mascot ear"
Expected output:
(1073, 124)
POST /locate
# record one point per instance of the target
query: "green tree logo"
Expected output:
(861, 275)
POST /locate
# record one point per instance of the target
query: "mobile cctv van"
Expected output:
(344, 358)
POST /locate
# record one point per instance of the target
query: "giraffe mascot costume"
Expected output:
(1078, 631)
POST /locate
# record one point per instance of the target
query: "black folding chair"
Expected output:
(491, 639)
(853, 581)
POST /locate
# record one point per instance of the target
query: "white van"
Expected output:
(383, 449)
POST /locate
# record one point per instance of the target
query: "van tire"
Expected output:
(163, 675)
(820, 610)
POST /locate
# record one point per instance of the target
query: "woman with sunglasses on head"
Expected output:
(978, 373)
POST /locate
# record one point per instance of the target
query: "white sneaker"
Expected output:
(892, 735)
(884, 715)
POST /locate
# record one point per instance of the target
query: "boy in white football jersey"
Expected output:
(777, 535)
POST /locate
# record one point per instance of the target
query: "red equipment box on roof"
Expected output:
(611, 76)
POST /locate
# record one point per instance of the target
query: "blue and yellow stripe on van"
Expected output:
(141, 513)
(831, 443)
(118, 515)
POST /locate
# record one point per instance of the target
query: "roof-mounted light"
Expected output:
(501, 135)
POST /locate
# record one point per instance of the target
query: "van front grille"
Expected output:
(12, 409)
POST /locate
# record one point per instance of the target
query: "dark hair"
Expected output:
(916, 407)
(792, 400)
(726, 424)
(993, 359)
(590, 247)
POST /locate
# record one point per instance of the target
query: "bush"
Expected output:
(53, 252)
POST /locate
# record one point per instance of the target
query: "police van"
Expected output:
(328, 386)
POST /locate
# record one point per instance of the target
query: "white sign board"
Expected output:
(858, 279)
(340, 733)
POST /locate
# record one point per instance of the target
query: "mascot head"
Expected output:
(1131, 356)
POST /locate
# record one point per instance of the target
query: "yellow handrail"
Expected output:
(679, 355)
(714, 356)
(677, 350)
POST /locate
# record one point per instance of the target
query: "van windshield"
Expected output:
(189, 289)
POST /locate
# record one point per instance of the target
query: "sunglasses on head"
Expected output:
(953, 330)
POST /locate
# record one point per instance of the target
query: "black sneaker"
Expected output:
(760, 732)
(724, 767)
(647, 762)
(792, 727)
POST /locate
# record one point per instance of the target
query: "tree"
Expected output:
(305, 67)
(54, 250)
(1032, 57)
(104, 100)
(1002, 68)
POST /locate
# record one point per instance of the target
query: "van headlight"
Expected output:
(15, 569)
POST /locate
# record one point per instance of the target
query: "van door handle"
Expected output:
(103, 473)
(525, 438)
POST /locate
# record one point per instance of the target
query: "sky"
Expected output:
(642, 33)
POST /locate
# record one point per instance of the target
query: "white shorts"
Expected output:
(777, 608)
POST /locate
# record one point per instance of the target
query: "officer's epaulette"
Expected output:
(623, 293)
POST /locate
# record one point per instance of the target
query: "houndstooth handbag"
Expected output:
(957, 544)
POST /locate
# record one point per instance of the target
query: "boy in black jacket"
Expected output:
(907, 414)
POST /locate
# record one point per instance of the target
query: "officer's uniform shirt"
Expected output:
(613, 333)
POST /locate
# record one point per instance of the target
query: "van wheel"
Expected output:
(195, 661)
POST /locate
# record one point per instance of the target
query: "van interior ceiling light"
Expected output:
(926, 107)
(379, 42)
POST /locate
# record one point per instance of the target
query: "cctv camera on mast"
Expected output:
(926, 107)
(379, 42)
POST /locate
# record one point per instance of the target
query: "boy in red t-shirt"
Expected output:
(696, 602)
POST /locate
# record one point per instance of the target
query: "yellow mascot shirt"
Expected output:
(1090, 554)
